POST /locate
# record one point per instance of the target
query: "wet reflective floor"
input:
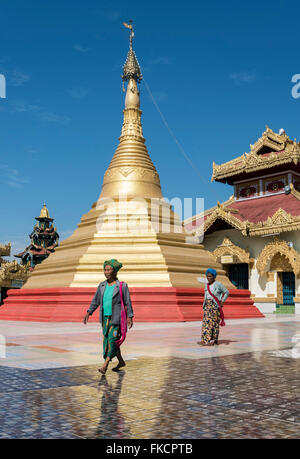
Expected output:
(248, 387)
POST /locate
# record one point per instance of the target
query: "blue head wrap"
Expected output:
(211, 271)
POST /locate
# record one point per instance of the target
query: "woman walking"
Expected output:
(214, 298)
(115, 310)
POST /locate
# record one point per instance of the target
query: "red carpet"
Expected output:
(157, 304)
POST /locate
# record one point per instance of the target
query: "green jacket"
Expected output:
(218, 290)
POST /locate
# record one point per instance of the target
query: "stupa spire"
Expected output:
(44, 213)
(131, 68)
(131, 170)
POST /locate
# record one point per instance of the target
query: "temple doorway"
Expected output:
(285, 292)
(238, 274)
(288, 288)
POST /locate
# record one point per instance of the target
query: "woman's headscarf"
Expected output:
(211, 271)
(115, 264)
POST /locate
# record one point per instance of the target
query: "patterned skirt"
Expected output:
(111, 333)
(211, 322)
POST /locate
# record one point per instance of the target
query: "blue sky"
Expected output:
(220, 71)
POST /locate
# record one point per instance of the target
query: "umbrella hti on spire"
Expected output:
(131, 68)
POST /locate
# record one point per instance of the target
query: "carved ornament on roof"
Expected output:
(13, 271)
(280, 221)
(270, 139)
(283, 151)
(280, 263)
(273, 248)
(225, 213)
(229, 248)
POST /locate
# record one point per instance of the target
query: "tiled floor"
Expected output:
(248, 387)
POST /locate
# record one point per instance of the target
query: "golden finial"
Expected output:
(44, 212)
(130, 27)
(131, 68)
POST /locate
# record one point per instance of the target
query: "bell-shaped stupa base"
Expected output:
(162, 264)
(144, 234)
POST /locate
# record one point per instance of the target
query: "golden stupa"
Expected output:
(44, 212)
(130, 221)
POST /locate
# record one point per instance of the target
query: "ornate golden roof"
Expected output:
(226, 214)
(280, 221)
(10, 271)
(280, 149)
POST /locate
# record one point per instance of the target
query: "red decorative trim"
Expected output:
(157, 304)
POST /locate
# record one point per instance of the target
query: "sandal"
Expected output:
(102, 371)
(117, 368)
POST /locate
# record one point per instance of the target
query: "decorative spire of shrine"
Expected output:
(131, 68)
(131, 170)
(44, 213)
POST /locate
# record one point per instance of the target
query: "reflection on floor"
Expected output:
(248, 387)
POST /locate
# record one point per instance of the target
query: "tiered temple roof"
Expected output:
(271, 153)
(261, 210)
